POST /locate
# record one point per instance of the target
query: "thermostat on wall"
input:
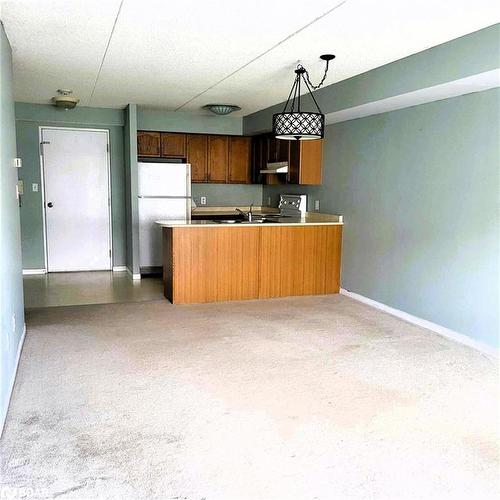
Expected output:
(18, 163)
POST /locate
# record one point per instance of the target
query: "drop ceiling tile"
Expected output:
(363, 35)
(163, 54)
(57, 44)
(193, 44)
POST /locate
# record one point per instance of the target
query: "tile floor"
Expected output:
(83, 288)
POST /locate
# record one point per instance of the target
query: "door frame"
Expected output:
(41, 128)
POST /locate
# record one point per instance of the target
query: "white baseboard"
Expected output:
(440, 330)
(13, 380)
(119, 268)
(134, 276)
(34, 271)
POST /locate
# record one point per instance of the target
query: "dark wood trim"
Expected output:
(168, 263)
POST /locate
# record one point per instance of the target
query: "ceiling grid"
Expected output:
(183, 55)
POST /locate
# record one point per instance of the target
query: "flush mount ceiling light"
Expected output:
(221, 109)
(65, 100)
(295, 123)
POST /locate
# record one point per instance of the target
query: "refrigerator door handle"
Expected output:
(167, 197)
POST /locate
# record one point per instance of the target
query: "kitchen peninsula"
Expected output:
(211, 261)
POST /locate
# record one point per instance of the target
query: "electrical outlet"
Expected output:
(316, 205)
(34, 187)
(203, 200)
(268, 201)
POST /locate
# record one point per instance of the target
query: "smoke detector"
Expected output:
(65, 100)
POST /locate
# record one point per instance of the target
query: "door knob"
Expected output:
(50, 204)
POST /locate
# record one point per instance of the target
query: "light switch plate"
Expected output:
(34, 187)
(203, 200)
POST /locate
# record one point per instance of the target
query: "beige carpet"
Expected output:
(301, 398)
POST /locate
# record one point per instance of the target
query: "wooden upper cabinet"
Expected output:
(306, 160)
(260, 148)
(197, 155)
(213, 158)
(282, 150)
(148, 144)
(173, 145)
(218, 158)
(239, 160)
(278, 150)
(311, 161)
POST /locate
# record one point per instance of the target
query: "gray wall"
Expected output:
(11, 283)
(177, 121)
(419, 190)
(224, 195)
(29, 117)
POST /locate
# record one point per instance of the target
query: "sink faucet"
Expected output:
(248, 215)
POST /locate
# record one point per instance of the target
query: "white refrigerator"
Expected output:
(164, 193)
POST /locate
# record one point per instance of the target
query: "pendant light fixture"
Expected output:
(296, 123)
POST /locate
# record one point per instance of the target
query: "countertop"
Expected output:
(310, 218)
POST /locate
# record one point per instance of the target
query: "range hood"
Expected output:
(279, 167)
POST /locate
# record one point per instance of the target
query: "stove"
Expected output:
(293, 205)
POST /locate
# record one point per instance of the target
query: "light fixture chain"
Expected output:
(315, 87)
(311, 94)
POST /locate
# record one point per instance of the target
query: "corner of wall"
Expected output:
(131, 182)
(11, 279)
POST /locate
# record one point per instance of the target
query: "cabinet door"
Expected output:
(239, 160)
(197, 155)
(311, 160)
(317, 271)
(173, 145)
(148, 144)
(272, 148)
(278, 149)
(260, 148)
(305, 164)
(218, 157)
(293, 176)
(214, 264)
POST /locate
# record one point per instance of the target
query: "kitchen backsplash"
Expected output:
(222, 195)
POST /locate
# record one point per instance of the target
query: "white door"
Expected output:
(77, 202)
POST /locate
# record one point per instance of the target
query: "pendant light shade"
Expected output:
(293, 122)
(299, 125)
